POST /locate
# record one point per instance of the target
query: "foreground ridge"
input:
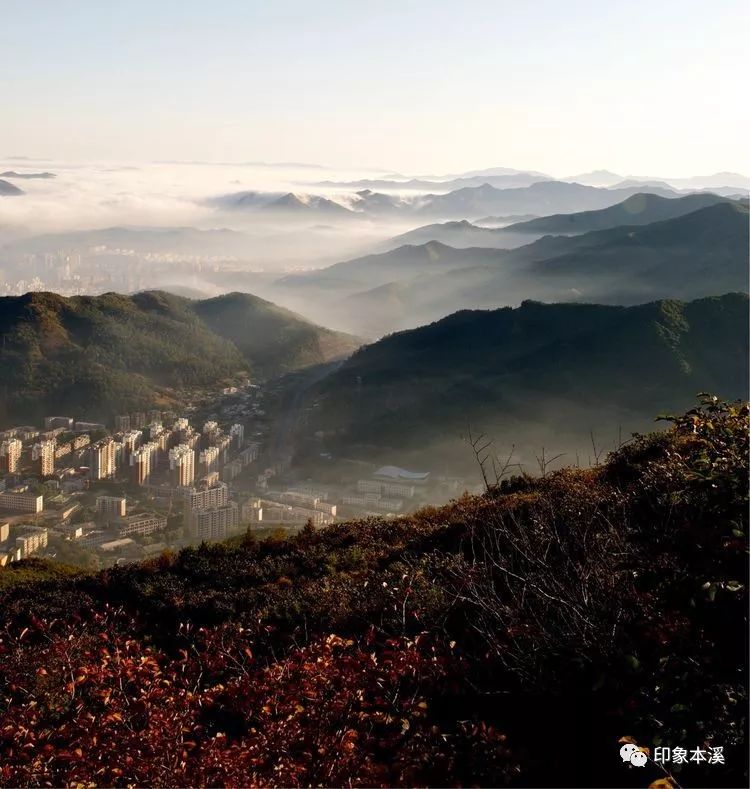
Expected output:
(472, 643)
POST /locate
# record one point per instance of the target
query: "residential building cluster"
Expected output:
(21, 541)
(155, 455)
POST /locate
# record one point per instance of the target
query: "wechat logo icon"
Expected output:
(633, 754)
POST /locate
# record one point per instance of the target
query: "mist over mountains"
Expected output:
(700, 253)
(361, 259)
(640, 209)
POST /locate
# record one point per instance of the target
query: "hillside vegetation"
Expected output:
(106, 354)
(509, 639)
(273, 339)
(523, 374)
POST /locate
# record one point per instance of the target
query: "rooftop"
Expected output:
(396, 473)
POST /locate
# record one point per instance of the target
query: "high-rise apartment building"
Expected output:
(103, 459)
(211, 432)
(182, 465)
(112, 506)
(215, 523)
(142, 461)
(237, 433)
(204, 496)
(10, 455)
(122, 423)
(43, 453)
(131, 440)
(208, 460)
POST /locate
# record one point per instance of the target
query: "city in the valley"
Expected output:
(94, 494)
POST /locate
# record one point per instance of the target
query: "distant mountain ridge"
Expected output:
(542, 197)
(466, 202)
(419, 184)
(8, 189)
(639, 209)
(30, 176)
(701, 253)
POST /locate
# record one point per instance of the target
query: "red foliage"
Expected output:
(87, 703)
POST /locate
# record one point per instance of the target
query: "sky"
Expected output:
(418, 87)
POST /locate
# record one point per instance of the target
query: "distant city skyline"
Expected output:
(429, 87)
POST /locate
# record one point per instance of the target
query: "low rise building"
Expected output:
(31, 540)
(21, 500)
(387, 489)
(121, 544)
(93, 538)
(71, 531)
(287, 515)
(88, 427)
(52, 422)
(307, 500)
(374, 501)
(142, 524)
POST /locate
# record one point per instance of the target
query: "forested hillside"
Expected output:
(534, 374)
(102, 355)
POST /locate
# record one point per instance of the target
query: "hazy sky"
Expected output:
(637, 86)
